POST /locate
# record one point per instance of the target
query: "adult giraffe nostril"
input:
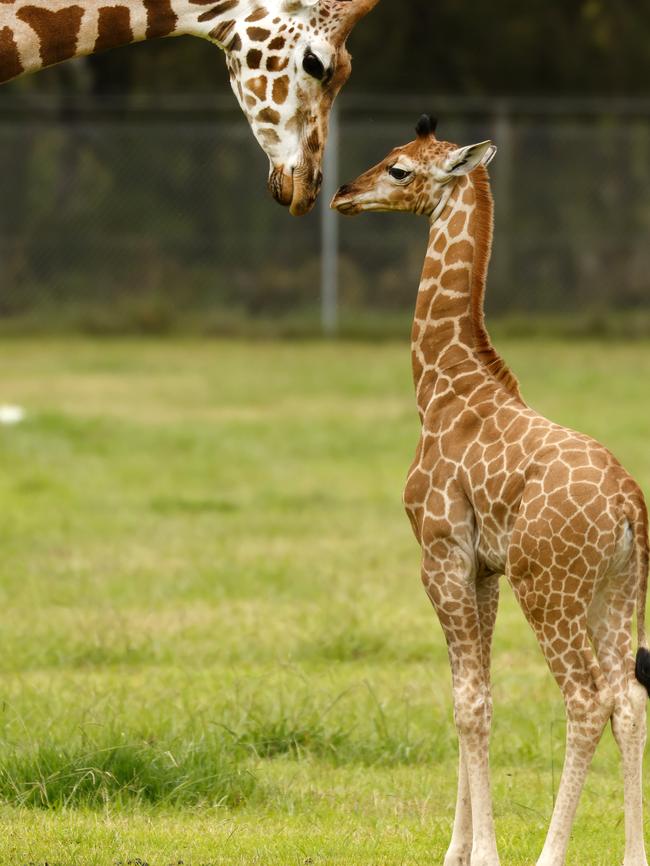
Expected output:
(306, 187)
(280, 186)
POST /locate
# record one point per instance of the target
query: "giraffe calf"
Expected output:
(496, 489)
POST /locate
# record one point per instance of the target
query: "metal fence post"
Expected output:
(330, 233)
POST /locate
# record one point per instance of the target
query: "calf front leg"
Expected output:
(450, 584)
(460, 847)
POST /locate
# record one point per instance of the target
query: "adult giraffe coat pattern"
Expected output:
(287, 61)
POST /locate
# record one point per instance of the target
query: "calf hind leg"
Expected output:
(589, 701)
(610, 622)
(629, 727)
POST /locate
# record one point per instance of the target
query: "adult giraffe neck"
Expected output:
(36, 35)
(449, 334)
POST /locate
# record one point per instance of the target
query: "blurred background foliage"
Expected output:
(138, 202)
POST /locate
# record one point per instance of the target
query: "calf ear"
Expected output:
(466, 159)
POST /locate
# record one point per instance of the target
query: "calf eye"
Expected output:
(313, 66)
(399, 173)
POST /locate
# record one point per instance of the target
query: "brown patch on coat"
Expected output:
(113, 27)
(57, 31)
(161, 18)
(258, 34)
(222, 31)
(257, 15)
(280, 90)
(460, 252)
(469, 197)
(10, 63)
(269, 115)
(277, 64)
(269, 136)
(258, 86)
(235, 44)
(219, 9)
(457, 223)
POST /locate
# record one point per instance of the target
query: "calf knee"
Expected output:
(629, 718)
(473, 714)
(605, 702)
(591, 707)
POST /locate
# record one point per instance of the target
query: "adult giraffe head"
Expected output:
(287, 61)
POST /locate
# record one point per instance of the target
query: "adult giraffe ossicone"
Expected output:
(497, 489)
(287, 61)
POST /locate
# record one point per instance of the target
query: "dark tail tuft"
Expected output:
(643, 667)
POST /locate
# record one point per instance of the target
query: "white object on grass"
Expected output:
(11, 415)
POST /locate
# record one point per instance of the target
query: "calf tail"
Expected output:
(642, 669)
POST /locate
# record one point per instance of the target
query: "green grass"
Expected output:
(215, 648)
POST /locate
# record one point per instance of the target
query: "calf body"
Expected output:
(496, 489)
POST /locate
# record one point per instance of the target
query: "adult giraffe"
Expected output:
(497, 489)
(287, 61)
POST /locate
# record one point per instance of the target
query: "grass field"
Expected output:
(215, 645)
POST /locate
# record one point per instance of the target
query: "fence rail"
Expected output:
(154, 209)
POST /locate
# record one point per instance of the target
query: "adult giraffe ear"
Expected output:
(350, 12)
(465, 159)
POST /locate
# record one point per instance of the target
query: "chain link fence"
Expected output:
(118, 215)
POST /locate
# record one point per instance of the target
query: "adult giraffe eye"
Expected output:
(313, 66)
(399, 173)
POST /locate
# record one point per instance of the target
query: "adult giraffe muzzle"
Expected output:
(287, 61)
(286, 74)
